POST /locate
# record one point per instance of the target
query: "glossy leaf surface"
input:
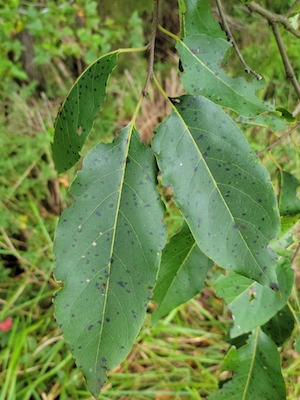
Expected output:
(220, 187)
(252, 304)
(76, 116)
(182, 273)
(108, 248)
(256, 368)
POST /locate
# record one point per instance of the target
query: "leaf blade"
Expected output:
(72, 127)
(108, 264)
(216, 167)
(182, 273)
(199, 19)
(252, 304)
(201, 55)
(257, 371)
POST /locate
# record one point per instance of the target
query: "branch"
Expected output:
(291, 9)
(260, 153)
(273, 20)
(151, 48)
(273, 17)
(290, 74)
(233, 42)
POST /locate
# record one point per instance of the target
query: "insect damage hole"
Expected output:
(79, 131)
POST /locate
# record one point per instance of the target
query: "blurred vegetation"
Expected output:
(44, 46)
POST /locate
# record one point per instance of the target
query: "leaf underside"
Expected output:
(220, 187)
(252, 304)
(108, 248)
(76, 116)
(256, 367)
(182, 273)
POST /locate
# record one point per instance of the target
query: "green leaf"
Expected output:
(286, 237)
(182, 273)
(281, 326)
(252, 304)
(76, 116)
(273, 121)
(220, 187)
(257, 371)
(288, 199)
(108, 248)
(201, 58)
(182, 11)
(199, 19)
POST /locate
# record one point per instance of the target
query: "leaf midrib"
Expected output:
(214, 181)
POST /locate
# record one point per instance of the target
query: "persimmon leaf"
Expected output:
(108, 248)
(256, 371)
(201, 56)
(220, 187)
(280, 327)
(182, 273)
(199, 19)
(77, 113)
(288, 199)
(252, 304)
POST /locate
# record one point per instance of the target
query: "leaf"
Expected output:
(286, 237)
(256, 368)
(199, 19)
(252, 304)
(182, 11)
(182, 273)
(108, 248)
(280, 327)
(273, 121)
(289, 202)
(201, 58)
(76, 116)
(220, 187)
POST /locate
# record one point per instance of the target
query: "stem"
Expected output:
(130, 50)
(151, 48)
(290, 74)
(161, 90)
(162, 29)
(273, 17)
(136, 111)
(290, 10)
(260, 153)
(273, 20)
(233, 42)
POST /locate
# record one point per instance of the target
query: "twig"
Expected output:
(273, 17)
(271, 146)
(151, 48)
(290, 74)
(296, 253)
(233, 42)
(291, 9)
(273, 20)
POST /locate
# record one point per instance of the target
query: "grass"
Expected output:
(179, 358)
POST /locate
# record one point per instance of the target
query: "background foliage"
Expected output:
(177, 358)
